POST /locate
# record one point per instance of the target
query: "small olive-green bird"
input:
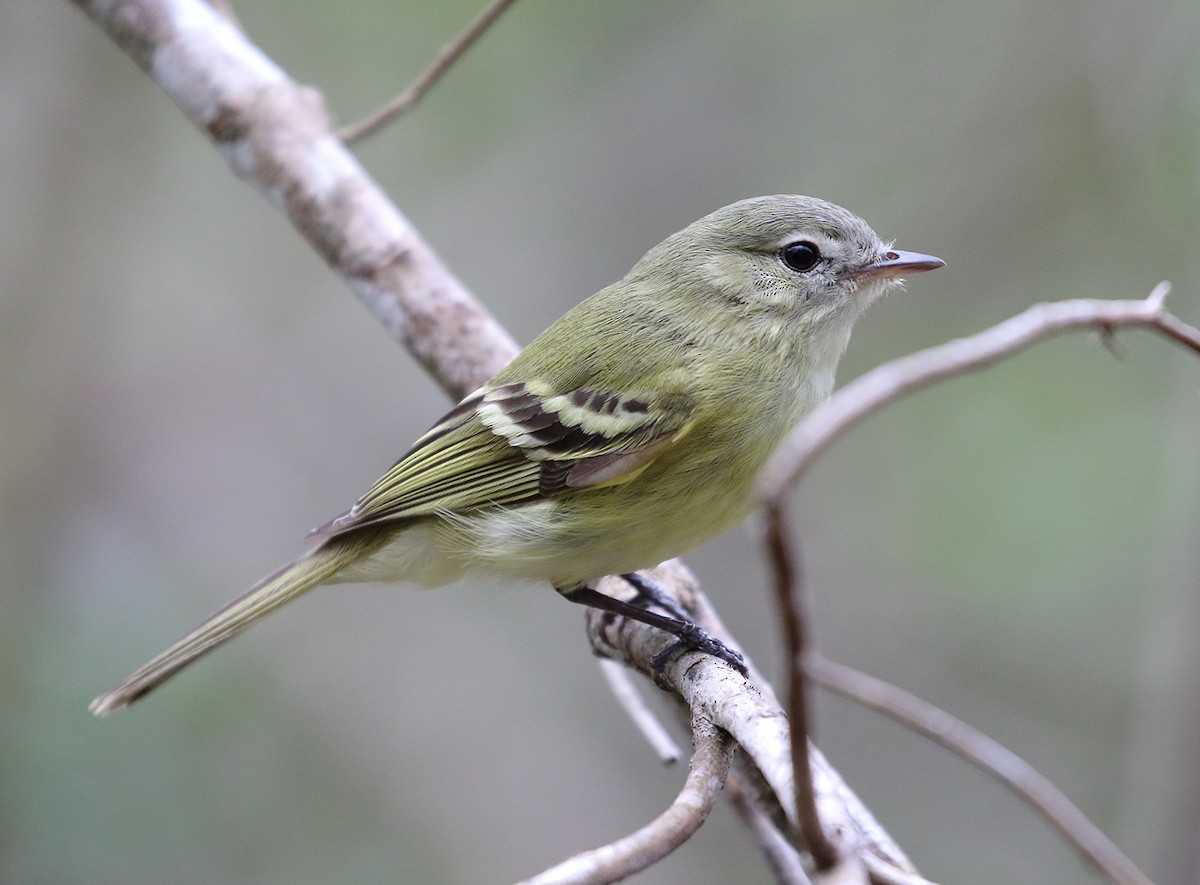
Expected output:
(627, 433)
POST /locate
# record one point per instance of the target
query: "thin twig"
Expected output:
(984, 752)
(275, 134)
(620, 683)
(840, 807)
(780, 854)
(883, 873)
(791, 611)
(428, 78)
(639, 850)
(891, 381)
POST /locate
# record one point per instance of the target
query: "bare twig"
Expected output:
(883, 873)
(987, 754)
(635, 852)
(873, 839)
(781, 856)
(893, 380)
(814, 784)
(620, 683)
(744, 707)
(428, 78)
(790, 607)
(887, 383)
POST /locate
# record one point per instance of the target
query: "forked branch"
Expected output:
(850, 405)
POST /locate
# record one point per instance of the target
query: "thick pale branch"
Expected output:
(889, 382)
(653, 842)
(428, 78)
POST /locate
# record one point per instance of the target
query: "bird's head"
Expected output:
(785, 254)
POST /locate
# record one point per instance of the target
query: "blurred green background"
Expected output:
(185, 390)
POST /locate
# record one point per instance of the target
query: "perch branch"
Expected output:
(747, 709)
(226, 9)
(871, 834)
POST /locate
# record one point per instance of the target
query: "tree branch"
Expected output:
(428, 78)
(885, 384)
(986, 753)
(781, 856)
(276, 134)
(746, 708)
(868, 394)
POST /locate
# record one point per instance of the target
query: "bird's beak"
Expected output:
(894, 263)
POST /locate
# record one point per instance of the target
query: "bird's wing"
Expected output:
(514, 442)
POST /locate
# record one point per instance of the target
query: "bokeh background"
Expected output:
(185, 390)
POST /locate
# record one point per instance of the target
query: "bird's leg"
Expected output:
(648, 591)
(690, 636)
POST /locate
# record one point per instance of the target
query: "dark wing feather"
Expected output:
(511, 443)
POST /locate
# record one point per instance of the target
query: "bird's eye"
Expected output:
(800, 256)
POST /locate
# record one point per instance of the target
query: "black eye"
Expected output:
(800, 256)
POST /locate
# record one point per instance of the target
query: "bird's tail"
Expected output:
(316, 567)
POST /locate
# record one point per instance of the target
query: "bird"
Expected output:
(629, 432)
